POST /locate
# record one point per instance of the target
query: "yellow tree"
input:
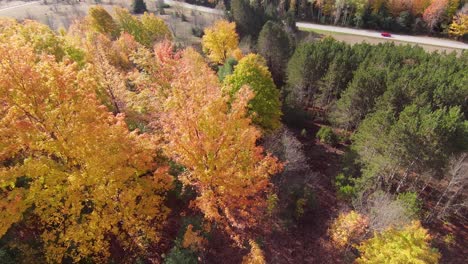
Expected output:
(348, 228)
(411, 245)
(72, 165)
(217, 145)
(255, 255)
(221, 41)
(147, 30)
(459, 26)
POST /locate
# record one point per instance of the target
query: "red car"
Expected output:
(386, 34)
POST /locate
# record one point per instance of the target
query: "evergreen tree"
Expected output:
(274, 45)
(249, 20)
(139, 7)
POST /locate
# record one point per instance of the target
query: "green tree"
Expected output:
(147, 30)
(227, 68)
(409, 245)
(360, 97)
(307, 66)
(275, 46)
(249, 20)
(265, 107)
(102, 21)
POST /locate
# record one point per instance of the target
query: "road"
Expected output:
(358, 32)
(4, 9)
(375, 34)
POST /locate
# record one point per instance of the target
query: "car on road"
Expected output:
(386, 34)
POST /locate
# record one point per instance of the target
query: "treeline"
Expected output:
(442, 17)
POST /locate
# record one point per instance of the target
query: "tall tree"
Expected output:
(146, 30)
(275, 46)
(265, 106)
(433, 13)
(70, 164)
(418, 6)
(101, 21)
(216, 142)
(220, 41)
(397, 6)
(249, 20)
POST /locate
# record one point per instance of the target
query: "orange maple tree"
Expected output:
(216, 142)
(68, 161)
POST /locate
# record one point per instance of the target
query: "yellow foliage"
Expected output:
(101, 21)
(89, 177)
(217, 145)
(348, 228)
(410, 245)
(459, 26)
(255, 255)
(221, 41)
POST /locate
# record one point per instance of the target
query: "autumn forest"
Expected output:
(119, 144)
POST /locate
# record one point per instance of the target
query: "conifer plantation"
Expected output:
(258, 144)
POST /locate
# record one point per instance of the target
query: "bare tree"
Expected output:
(453, 199)
(383, 211)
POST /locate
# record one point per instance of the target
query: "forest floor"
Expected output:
(308, 241)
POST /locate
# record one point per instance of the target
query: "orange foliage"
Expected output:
(193, 239)
(217, 144)
(397, 6)
(89, 177)
(434, 12)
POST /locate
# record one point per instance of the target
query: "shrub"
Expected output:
(411, 202)
(178, 255)
(302, 201)
(198, 31)
(345, 187)
(326, 135)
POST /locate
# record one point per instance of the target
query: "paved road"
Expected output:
(4, 9)
(376, 34)
(358, 32)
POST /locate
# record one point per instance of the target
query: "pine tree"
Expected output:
(138, 7)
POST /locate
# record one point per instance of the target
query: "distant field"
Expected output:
(353, 39)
